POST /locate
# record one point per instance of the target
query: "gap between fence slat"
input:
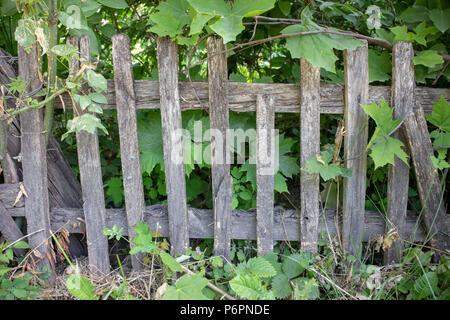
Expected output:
(91, 182)
(265, 165)
(309, 148)
(128, 134)
(356, 74)
(222, 183)
(173, 147)
(403, 100)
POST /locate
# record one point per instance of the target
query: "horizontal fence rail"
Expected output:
(218, 96)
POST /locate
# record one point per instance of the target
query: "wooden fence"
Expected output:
(267, 223)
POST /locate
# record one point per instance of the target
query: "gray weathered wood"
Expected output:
(9, 229)
(201, 222)
(356, 73)
(222, 182)
(427, 176)
(402, 99)
(91, 184)
(309, 148)
(34, 166)
(129, 144)
(173, 147)
(242, 96)
(265, 165)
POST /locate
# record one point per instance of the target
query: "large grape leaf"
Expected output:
(441, 115)
(428, 58)
(382, 149)
(318, 49)
(229, 24)
(440, 19)
(380, 66)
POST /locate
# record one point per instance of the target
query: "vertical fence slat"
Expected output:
(91, 184)
(129, 143)
(428, 182)
(402, 99)
(265, 163)
(34, 166)
(171, 126)
(356, 72)
(309, 148)
(222, 182)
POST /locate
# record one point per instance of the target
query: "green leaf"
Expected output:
(426, 285)
(440, 19)
(115, 4)
(80, 287)
(325, 168)
(414, 14)
(306, 289)
(96, 81)
(401, 34)
(228, 27)
(199, 21)
(21, 245)
(439, 164)
(115, 190)
(281, 287)
(441, 115)
(165, 24)
(86, 122)
(260, 267)
(170, 262)
(422, 31)
(383, 153)
(24, 33)
(82, 101)
(188, 287)
(428, 58)
(248, 287)
(65, 50)
(3, 269)
(291, 265)
(150, 141)
(211, 7)
(98, 97)
(280, 183)
(318, 49)
(380, 66)
(247, 8)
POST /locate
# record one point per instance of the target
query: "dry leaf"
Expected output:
(161, 291)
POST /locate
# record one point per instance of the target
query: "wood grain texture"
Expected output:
(243, 226)
(173, 147)
(428, 182)
(242, 96)
(34, 166)
(92, 186)
(403, 100)
(9, 229)
(356, 74)
(129, 143)
(222, 182)
(265, 165)
(309, 148)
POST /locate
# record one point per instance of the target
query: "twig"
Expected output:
(440, 73)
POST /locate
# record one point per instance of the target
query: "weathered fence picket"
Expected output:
(173, 147)
(402, 99)
(356, 74)
(265, 166)
(34, 167)
(222, 183)
(129, 143)
(267, 223)
(309, 148)
(91, 180)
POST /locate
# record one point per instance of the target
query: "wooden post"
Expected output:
(129, 144)
(428, 182)
(91, 183)
(222, 183)
(34, 167)
(265, 164)
(9, 229)
(173, 147)
(402, 99)
(356, 72)
(309, 148)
